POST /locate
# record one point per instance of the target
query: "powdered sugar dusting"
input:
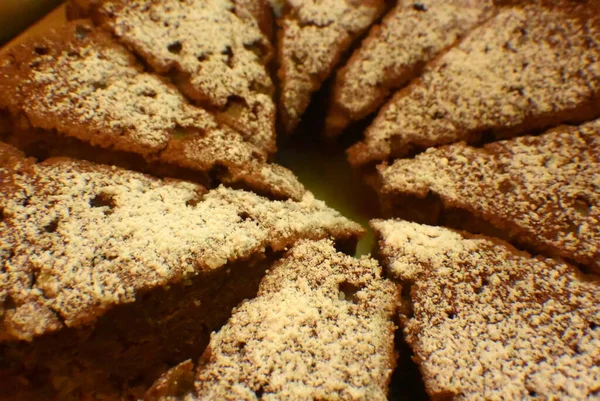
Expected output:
(219, 54)
(410, 35)
(545, 190)
(81, 83)
(528, 67)
(314, 34)
(83, 238)
(303, 337)
(489, 322)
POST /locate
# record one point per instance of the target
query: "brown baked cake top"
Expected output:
(82, 83)
(321, 327)
(486, 321)
(214, 49)
(312, 36)
(545, 190)
(395, 51)
(528, 68)
(79, 238)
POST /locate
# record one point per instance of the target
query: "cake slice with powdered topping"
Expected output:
(77, 92)
(215, 51)
(533, 66)
(396, 51)
(111, 276)
(486, 321)
(321, 328)
(542, 192)
(312, 37)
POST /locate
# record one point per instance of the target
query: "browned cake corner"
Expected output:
(487, 321)
(215, 51)
(321, 327)
(77, 92)
(312, 37)
(541, 192)
(396, 51)
(530, 67)
(104, 269)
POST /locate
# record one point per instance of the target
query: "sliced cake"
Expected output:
(77, 92)
(532, 66)
(312, 37)
(396, 51)
(321, 328)
(488, 322)
(215, 51)
(540, 192)
(110, 276)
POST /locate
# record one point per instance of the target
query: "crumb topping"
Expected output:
(545, 189)
(80, 238)
(529, 67)
(393, 53)
(490, 322)
(220, 55)
(314, 34)
(81, 83)
(321, 327)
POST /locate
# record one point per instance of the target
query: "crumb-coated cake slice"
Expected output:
(312, 37)
(395, 52)
(488, 322)
(213, 50)
(321, 328)
(540, 192)
(77, 92)
(105, 269)
(532, 66)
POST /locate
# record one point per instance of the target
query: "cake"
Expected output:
(487, 321)
(395, 52)
(77, 92)
(311, 39)
(109, 275)
(213, 50)
(532, 66)
(541, 192)
(321, 327)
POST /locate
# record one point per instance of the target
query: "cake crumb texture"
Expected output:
(394, 52)
(215, 48)
(488, 322)
(80, 82)
(313, 34)
(544, 190)
(531, 67)
(79, 238)
(321, 327)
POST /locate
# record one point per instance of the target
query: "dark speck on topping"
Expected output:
(419, 7)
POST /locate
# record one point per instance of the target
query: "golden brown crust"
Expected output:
(530, 67)
(81, 238)
(80, 83)
(542, 192)
(213, 49)
(486, 321)
(395, 52)
(321, 327)
(311, 39)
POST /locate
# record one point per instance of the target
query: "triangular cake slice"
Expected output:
(215, 51)
(77, 92)
(486, 321)
(539, 192)
(531, 67)
(396, 51)
(313, 35)
(321, 328)
(104, 269)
